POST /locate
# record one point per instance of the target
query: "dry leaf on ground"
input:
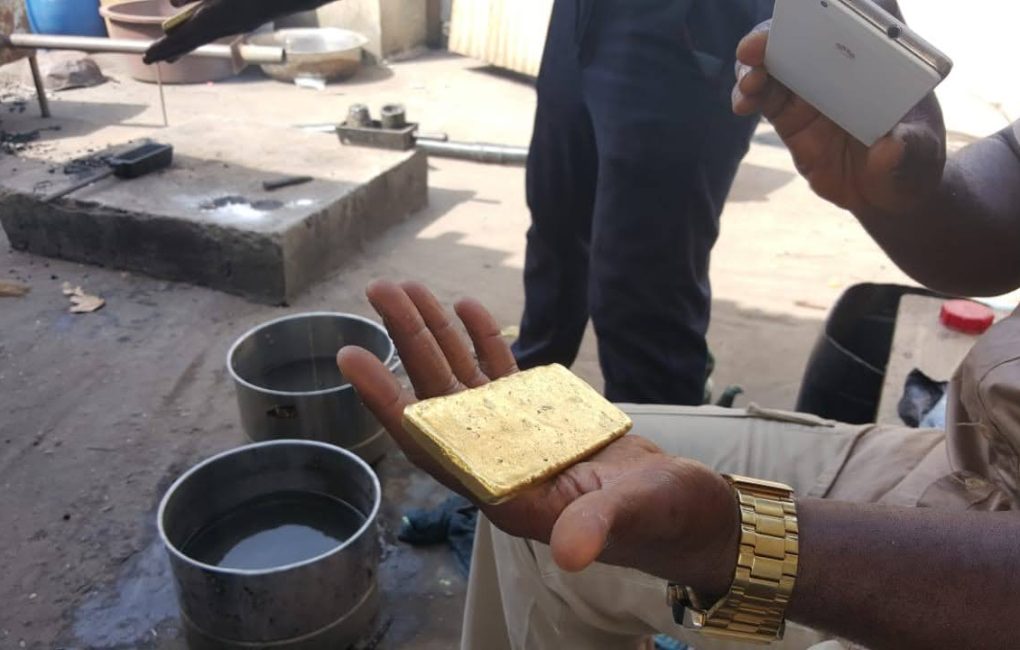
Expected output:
(11, 289)
(81, 302)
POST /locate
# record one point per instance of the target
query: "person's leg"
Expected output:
(609, 607)
(669, 147)
(561, 177)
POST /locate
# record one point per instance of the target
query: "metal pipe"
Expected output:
(498, 154)
(441, 137)
(40, 89)
(247, 53)
(162, 95)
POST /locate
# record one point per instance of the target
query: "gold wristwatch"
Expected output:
(755, 607)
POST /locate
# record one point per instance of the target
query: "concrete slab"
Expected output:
(207, 220)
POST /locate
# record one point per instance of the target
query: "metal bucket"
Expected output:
(256, 544)
(289, 387)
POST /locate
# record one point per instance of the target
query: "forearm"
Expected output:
(965, 237)
(908, 578)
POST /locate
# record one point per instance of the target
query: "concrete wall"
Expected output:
(404, 25)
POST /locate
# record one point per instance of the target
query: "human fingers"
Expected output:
(450, 339)
(422, 356)
(386, 398)
(494, 355)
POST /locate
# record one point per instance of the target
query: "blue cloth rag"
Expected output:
(453, 522)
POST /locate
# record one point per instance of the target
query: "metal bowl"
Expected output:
(288, 385)
(287, 594)
(326, 53)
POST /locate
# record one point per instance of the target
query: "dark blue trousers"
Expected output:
(634, 151)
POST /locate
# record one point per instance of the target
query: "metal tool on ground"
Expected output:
(133, 163)
(286, 181)
(358, 115)
(393, 117)
(393, 131)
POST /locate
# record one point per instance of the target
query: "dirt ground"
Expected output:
(100, 412)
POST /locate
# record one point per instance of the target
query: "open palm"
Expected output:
(630, 504)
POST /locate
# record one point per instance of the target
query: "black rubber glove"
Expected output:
(215, 19)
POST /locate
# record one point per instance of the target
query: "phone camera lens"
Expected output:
(825, 4)
(894, 31)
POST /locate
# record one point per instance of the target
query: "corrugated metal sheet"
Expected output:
(505, 33)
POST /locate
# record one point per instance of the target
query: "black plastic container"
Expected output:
(844, 375)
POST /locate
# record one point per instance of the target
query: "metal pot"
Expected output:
(289, 387)
(329, 600)
(326, 53)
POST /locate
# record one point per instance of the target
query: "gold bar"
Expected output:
(516, 432)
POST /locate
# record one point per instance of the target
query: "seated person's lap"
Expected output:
(539, 606)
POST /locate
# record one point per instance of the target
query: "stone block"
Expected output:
(208, 221)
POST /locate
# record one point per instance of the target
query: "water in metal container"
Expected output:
(275, 545)
(289, 387)
(304, 375)
(275, 530)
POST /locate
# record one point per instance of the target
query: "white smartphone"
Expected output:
(853, 61)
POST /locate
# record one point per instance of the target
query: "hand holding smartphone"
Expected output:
(853, 61)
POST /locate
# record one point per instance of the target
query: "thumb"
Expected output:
(584, 529)
(621, 517)
(903, 166)
(649, 517)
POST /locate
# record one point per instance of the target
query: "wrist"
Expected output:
(720, 556)
(754, 606)
(720, 578)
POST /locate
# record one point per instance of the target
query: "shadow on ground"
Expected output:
(758, 182)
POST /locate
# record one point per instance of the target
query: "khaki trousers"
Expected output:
(518, 598)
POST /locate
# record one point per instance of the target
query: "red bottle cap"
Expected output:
(967, 316)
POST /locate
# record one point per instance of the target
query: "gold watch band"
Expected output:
(755, 607)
